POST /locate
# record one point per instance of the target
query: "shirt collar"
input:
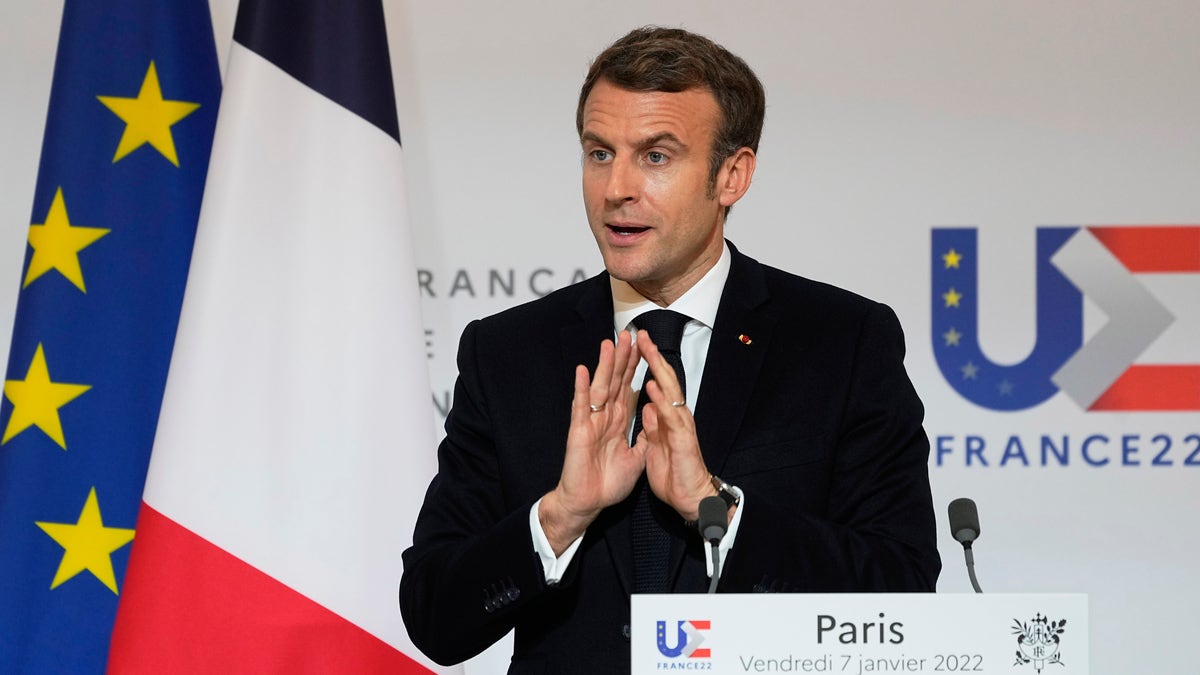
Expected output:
(700, 302)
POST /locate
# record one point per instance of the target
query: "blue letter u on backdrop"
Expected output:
(680, 640)
(954, 287)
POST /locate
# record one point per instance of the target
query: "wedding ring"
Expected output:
(678, 404)
(597, 408)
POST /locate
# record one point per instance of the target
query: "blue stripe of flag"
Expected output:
(290, 35)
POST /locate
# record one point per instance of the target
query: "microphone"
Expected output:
(964, 526)
(713, 522)
(713, 515)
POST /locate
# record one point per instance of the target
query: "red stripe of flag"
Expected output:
(1153, 388)
(1153, 249)
(228, 617)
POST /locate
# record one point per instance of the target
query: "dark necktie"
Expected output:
(651, 545)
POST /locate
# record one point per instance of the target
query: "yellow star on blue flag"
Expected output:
(56, 244)
(87, 545)
(148, 118)
(36, 401)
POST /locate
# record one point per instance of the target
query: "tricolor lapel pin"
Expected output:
(744, 339)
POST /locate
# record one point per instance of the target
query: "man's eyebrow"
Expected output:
(592, 137)
(665, 137)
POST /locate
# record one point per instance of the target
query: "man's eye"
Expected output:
(600, 155)
(656, 157)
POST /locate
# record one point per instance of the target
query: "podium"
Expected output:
(861, 633)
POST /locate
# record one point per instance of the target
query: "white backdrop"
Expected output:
(884, 121)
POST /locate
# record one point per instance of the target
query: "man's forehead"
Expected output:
(607, 89)
(613, 108)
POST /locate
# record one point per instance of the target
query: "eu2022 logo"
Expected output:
(685, 641)
(1101, 263)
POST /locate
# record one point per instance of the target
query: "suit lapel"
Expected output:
(581, 339)
(741, 334)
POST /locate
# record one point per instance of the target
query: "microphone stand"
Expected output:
(716, 558)
(970, 555)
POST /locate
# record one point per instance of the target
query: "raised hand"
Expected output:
(599, 467)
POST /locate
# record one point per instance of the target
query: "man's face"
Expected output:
(646, 186)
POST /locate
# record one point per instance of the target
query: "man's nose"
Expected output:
(623, 182)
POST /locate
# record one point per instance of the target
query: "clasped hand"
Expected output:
(600, 467)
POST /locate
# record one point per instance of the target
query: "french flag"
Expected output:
(296, 436)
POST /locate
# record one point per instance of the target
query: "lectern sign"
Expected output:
(861, 633)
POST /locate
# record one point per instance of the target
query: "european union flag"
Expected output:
(128, 135)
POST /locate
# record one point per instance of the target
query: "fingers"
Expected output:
(667, 414)
(662, 411)
(624, 361)
(650, 421)
(664, 374)
(674, 464)
(602, 381)
(582, 398)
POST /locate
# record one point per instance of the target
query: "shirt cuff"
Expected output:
(553, 568)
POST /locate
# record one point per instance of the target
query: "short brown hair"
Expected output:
(672, 60)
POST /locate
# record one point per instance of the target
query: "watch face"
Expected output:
(724, 491)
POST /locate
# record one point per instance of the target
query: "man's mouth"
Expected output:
(627, 230)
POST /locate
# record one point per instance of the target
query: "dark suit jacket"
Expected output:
(814, 419)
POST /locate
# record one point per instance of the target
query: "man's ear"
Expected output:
(733, 180)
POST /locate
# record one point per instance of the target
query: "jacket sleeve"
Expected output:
(472, 570)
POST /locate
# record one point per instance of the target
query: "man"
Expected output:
(556, 489)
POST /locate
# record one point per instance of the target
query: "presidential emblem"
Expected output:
(1038, 641)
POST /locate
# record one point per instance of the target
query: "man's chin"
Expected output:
(620, 267)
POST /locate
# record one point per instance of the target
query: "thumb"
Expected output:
(650, 422)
